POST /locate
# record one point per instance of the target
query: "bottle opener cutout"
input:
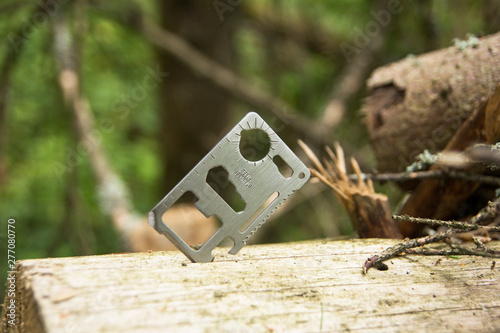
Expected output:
(255, 178)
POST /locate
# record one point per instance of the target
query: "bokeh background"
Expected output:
(310, 56)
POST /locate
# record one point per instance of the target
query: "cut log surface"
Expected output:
(314, 286)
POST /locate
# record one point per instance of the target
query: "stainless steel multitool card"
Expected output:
(255, 176)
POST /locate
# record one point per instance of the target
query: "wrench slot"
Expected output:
(218, 179)
(188, 223)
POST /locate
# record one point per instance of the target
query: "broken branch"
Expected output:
(455, 250)
(369, 211)
(219, 75)
(490, 211)
(429, 174)
(450, 224)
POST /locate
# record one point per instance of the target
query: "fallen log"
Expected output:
(441, 199)
(438, 101)
(420, 102)
(308, 286)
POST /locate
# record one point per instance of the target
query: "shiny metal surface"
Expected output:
(255, 182)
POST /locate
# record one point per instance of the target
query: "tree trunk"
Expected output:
(193, 111)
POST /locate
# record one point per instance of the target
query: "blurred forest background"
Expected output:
(159, 107)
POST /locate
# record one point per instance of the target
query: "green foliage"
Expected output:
(41, 137)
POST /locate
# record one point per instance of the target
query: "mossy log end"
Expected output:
(309, 286)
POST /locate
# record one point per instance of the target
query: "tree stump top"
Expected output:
(309, 286)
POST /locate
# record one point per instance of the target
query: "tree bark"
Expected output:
(193, 112)
(441, 199)
(418, 103)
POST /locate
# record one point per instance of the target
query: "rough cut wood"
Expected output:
(314, 286)
(370, 212)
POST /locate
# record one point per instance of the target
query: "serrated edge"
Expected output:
(253, 231)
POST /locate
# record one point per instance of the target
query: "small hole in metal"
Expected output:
(283, 167)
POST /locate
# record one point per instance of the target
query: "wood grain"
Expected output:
(314, 286)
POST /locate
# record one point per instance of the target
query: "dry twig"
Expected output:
(491, 210)
(464, 226)
(369, 211)
(456, 250)
(429, 174)
(400, 248)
